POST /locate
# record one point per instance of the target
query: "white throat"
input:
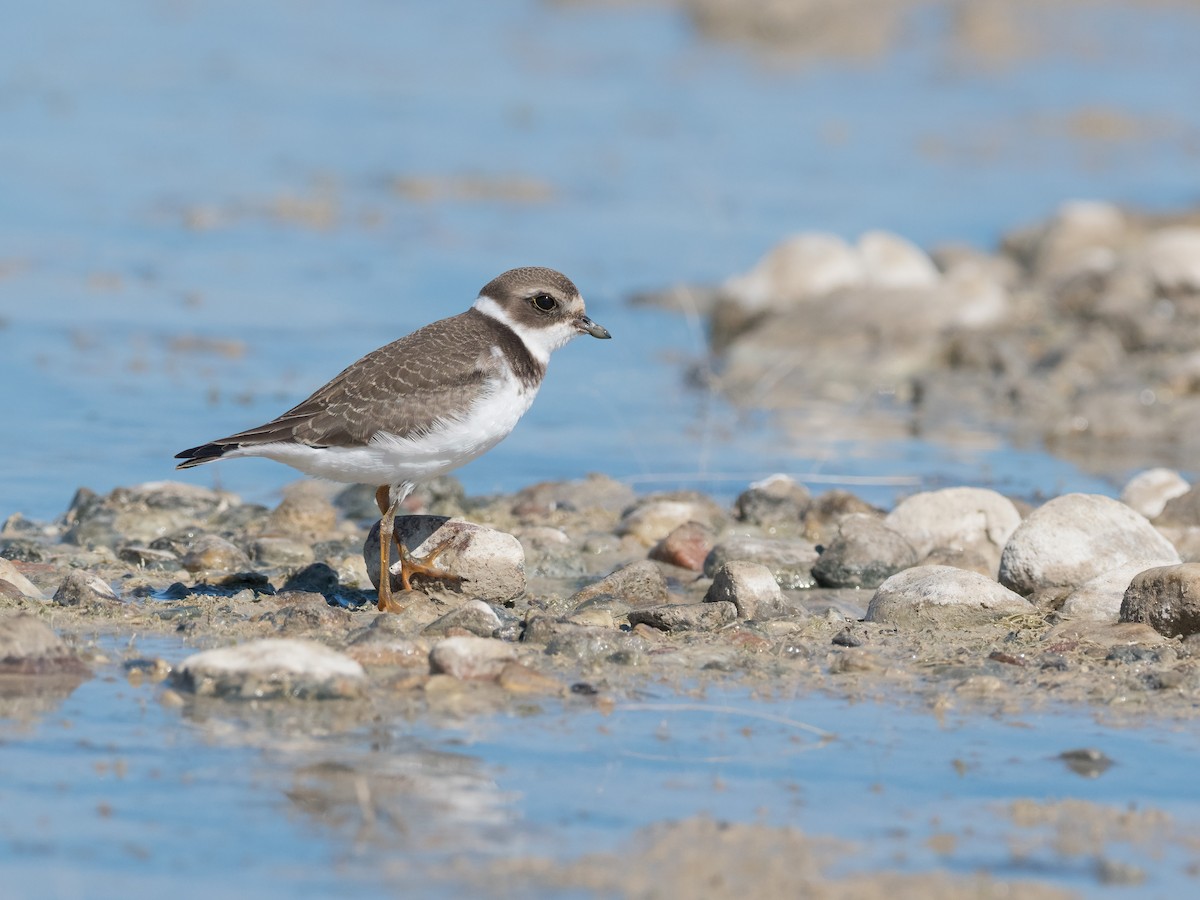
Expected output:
(540, 342)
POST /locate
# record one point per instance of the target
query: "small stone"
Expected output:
(474, 616)
(865, 553)
(1182, 510)
(686, 616)
(638, 584)
(1148, 492)
(299, 612)
(149, 558)
(28, 646)
(490, 563)
(270, 669)
(1165, 598)
(687, 546)
(846, 638)
(652, 519)
(1100, 598)
(1075, 537)
(10, 573)
(943, 596)
(210, 553)
(752, 590)
(587, 646)
(318, 578)
(519, 679)
(894, 262)
(84, 589)
(471, 657)
(827, 511)
(305, 513)
(775, 501)
(1172, 257)
(280, 553)
(595, 492)
(790, 561)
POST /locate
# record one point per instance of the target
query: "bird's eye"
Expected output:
(544, 302)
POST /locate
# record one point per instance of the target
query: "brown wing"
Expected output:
(403, 389)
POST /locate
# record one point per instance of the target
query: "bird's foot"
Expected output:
(425, 569)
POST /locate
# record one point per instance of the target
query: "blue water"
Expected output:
(112, 794)
(666, 158)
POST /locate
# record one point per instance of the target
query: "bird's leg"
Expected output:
(408, 566)
(387, 532)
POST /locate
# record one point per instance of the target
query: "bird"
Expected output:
(423, 405)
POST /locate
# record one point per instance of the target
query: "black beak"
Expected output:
(587, 325)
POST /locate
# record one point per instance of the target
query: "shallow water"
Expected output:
(111, 793)
(201, 222)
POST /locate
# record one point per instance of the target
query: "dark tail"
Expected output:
(202, 454)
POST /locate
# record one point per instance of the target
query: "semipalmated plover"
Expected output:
(426, 404)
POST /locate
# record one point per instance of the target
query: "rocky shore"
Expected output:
(1078, 333)
(583, 590)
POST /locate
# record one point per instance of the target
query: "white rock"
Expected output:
(1100, 598)
(652, 521)
(956, 518)
(1148, 492)
(471, 657)
(1074, 538)
(1172, 257)
(943, 595)
(889, 260)
(805, 265)
(490, 563)
(272, 667)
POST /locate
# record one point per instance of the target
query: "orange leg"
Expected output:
(408, 566)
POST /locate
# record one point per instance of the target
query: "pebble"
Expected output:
(272, 668)
(490, 563)
(304, 514)
(1165, 598)
(589, 645)
(650, 520)
(83, 589)
(281, 552)
(1148, 492)
(864, 554)
(1182, 510)
(686, 546)
(474, 616)
(1075, 537)
(774, 502)
(686, 616)
(790, 561)
(1100, 598)
(28, 646)
(471, 658)
(955, 518)
(317, 578)
(299, 612)
(520, 679)
(212, 554)
(752, 590)
(943, 596)
(638, 584)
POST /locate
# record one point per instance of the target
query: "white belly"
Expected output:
(389, 459)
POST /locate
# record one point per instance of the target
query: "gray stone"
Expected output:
(590, 645)
(752, 590)
(775, 501)
(280, 553)
(653, 518)
(212, 554)
(790, 561)
(1148, 492)
(638, 584)
(474, 616)
(595, 492)
(1182, 510)
(1076, 537)
(142, 513)
(865, 553)
(305, 513)
(471, 657)
(302, 612)
(955, 518)
(272, 668)
(943, 596)
(490, 563)
(1166, 598)
(686, 616)
(149, 558)
(84, 589)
